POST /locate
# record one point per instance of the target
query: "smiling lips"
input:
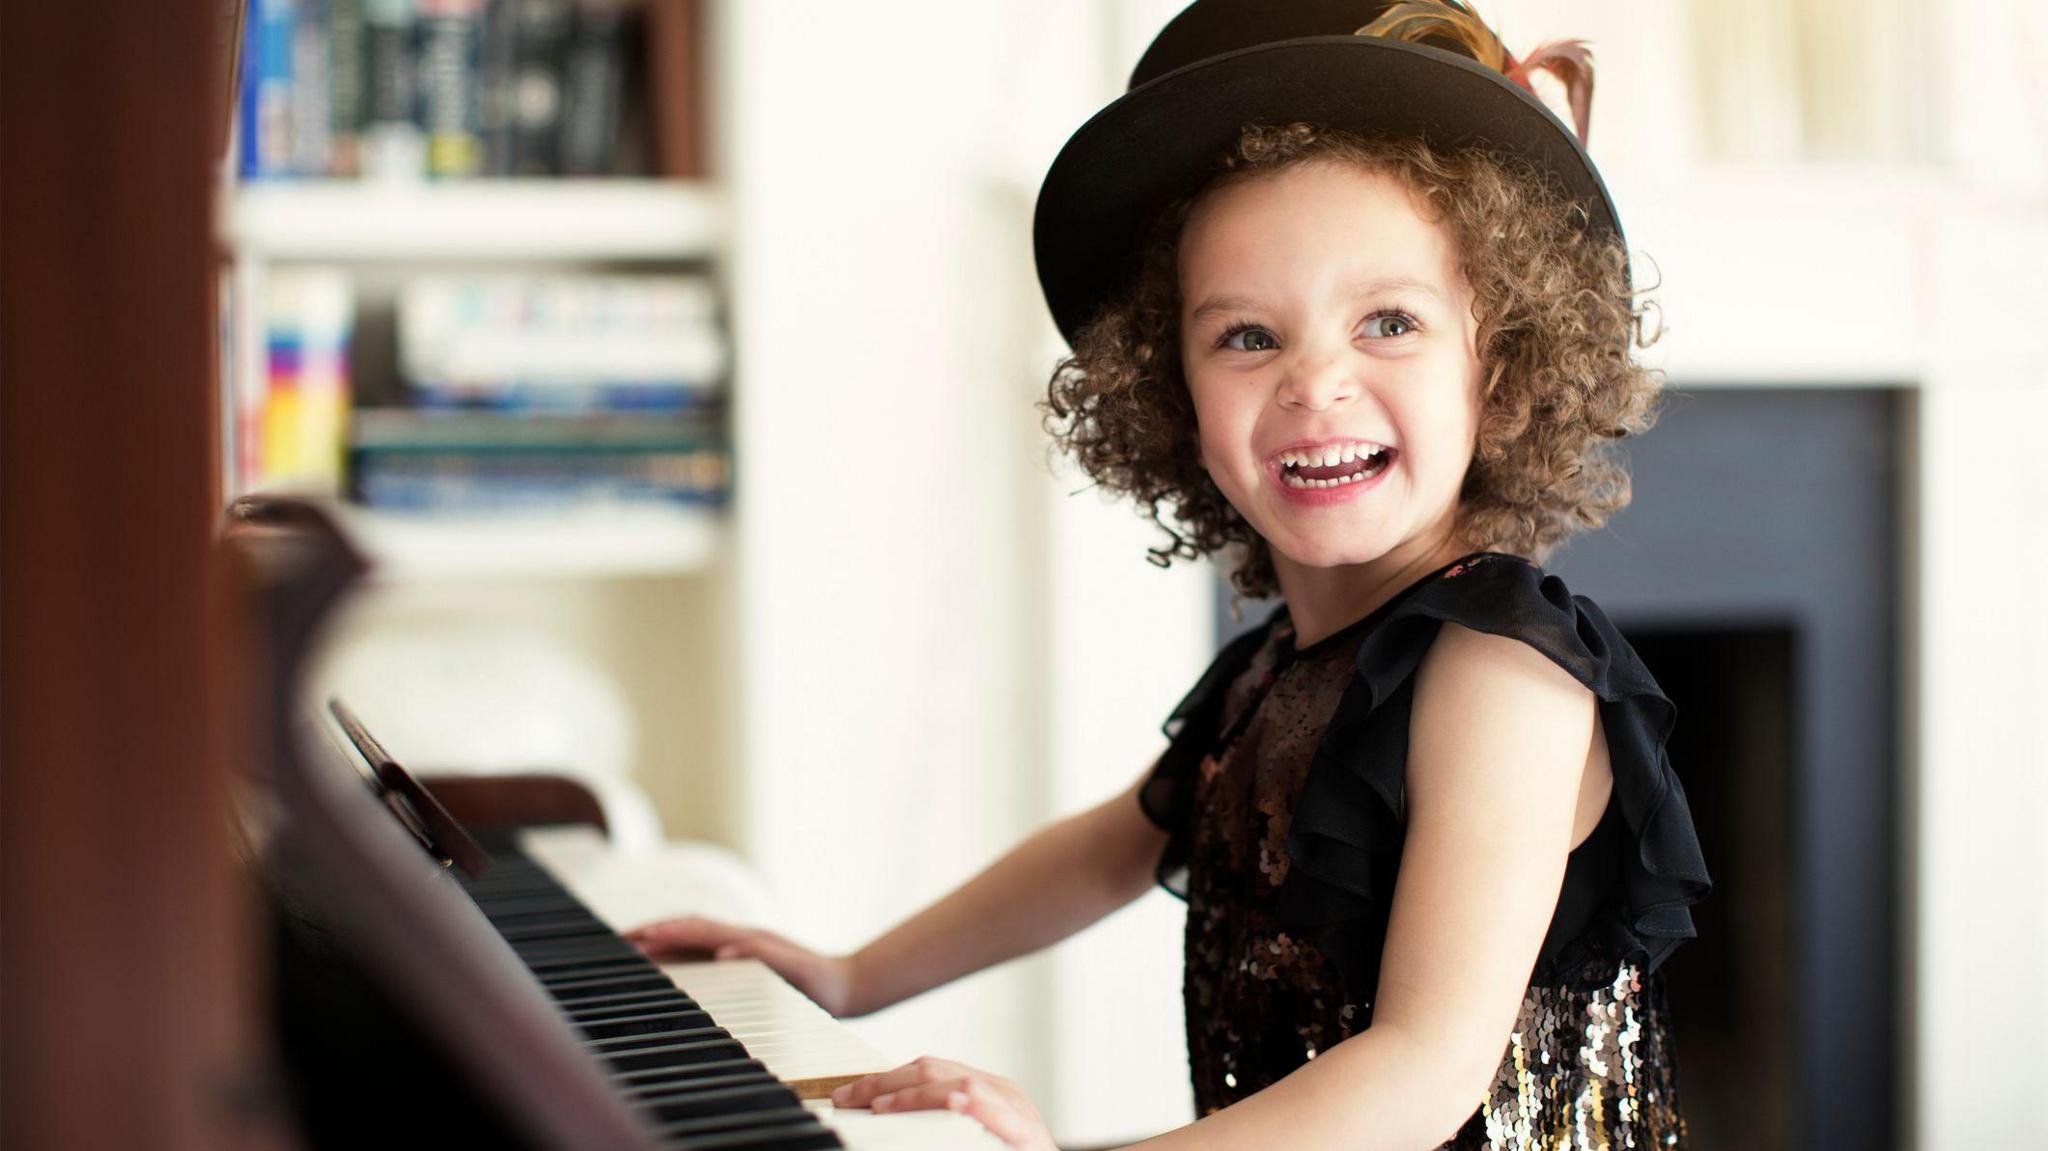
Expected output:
(1333, 465)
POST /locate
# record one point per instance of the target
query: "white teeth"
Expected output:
(1330, 456)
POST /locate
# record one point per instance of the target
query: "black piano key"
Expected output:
(676, 1054)
(579, 989)
(619, 1043)
(646, 1024)
(684, 1091)
(645, 1002)
(541, 916)
(718, 1124)
(655, 1080)
(541, 964)
(582, 950)
(724, 1101)
(592, 970)
(539, 902)
(556, 931)
(794, 1136)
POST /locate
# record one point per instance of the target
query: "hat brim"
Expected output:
(1161, 139)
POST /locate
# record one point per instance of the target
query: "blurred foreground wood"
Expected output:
(129, 980)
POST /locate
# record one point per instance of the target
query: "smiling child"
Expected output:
(1350, 308)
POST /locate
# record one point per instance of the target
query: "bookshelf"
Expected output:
(381, 233)
(433, 210)
(612, 543)
(353, 221)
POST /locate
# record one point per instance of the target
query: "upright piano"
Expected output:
(435, 986)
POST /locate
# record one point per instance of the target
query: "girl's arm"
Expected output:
(1052, 885)
(1059, 881)
(1499, 737)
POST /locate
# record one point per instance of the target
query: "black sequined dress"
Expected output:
(1283, 791)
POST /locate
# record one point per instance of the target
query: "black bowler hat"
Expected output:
(1421, 68)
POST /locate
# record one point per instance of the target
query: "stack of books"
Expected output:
(443, 88)
(292, 413)
(549, 393)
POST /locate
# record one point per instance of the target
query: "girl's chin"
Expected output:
(1318, 554)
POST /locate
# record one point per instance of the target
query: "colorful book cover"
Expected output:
(308, 318)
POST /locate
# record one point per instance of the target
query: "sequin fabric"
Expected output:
(1582, 1069)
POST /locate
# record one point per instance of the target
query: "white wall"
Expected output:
(942, 650)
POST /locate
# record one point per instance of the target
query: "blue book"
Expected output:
(267, 90)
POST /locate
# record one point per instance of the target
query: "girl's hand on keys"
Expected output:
(827, 979)
(929, 1084)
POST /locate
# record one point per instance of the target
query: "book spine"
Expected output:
(500, 60)
(267, 143)
(409, 430)
(536, 481)
(391, 145)
(308, 319)
(541, 44)
(450, 39)
(347, 80)
(311, 145)
(593, 84)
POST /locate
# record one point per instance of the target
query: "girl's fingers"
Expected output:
(937, 1095)
(912, 1074)
(689, 933)
(1002, 1119)
(986, 1103)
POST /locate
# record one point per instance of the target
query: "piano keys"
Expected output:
(500, 1009)
(664, 1052)
(725, 1048)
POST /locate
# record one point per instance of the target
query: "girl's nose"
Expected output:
(1316, 381)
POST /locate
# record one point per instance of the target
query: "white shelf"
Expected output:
(555, 219)
(612, 542)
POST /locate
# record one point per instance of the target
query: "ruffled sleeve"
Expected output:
(1348, 824)
(1191, 731)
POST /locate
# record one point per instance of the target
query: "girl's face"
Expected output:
(1328, 342)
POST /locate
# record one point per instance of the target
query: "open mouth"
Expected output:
(1334, 465)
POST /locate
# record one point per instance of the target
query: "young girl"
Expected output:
(1432, 846)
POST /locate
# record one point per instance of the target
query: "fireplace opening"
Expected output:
(1731, 989)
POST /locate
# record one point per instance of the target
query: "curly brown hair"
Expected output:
(1556, 317)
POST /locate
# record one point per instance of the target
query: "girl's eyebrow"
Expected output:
(1217, 305)
(1392, 283)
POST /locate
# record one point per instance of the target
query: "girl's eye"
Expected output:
(1248, 338)
(1390, 324)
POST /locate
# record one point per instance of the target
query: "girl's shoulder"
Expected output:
(1350, 818)
(1509, 596)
